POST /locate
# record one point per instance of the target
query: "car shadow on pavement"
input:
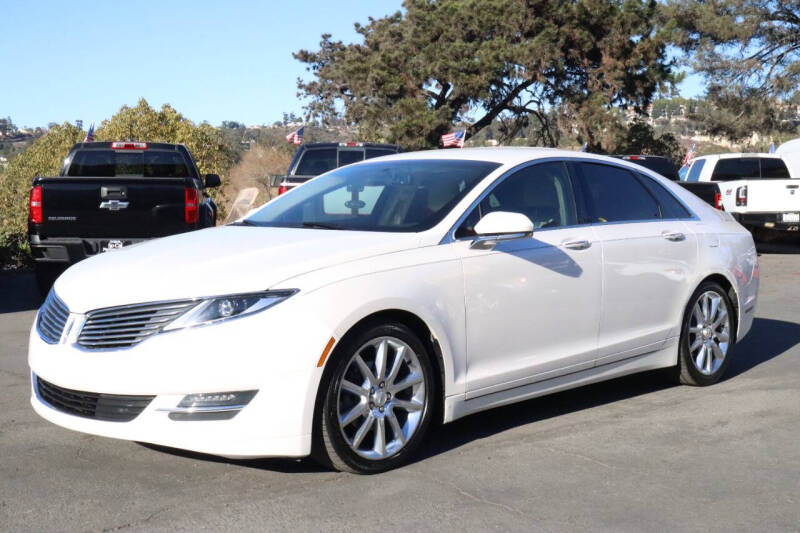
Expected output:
(767, 339)
(18, 292)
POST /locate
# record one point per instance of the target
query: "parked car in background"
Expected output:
(313, 159)
(760, 190)
(656, 163)
(113, 194)
(346, 316)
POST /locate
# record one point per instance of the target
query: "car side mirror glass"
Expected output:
(212, 180)
(501, 226)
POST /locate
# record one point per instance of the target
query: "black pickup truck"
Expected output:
(113, 194)
(313, 159)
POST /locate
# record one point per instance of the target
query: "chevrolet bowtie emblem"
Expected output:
(113, 205)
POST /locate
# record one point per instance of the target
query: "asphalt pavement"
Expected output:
(633, 454)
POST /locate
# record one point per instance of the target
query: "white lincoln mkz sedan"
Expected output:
(345, 317)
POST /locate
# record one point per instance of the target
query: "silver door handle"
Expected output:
(577, 245)
(673, 235)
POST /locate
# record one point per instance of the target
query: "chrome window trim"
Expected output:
(450, 235)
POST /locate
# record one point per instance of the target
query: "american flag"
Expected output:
(689, 154)
(454, 139)
(296, 137)
(89, 134)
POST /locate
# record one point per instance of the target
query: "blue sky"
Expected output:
(211, 60)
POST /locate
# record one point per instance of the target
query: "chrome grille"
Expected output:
(117, 327)
(52, 318)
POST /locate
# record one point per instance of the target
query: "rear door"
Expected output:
(648, 256)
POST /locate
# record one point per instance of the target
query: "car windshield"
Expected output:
(392, 196)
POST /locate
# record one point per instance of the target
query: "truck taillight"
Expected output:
(190, 210)
(35, 205)
(741, 196)
(282, 189)
(128, 146)
(718, 201)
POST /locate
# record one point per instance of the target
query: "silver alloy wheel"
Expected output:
(380, 398)
(709, 332)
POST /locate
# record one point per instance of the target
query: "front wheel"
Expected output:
(707, 335)
(378, 402)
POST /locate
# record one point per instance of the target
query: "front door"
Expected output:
(532, 304)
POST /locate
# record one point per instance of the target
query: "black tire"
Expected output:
(687, 371)
(332, 448)
(46, 275)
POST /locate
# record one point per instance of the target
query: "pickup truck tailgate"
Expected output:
(112, 207)
(772, 196)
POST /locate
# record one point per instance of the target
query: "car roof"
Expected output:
(737, 155)
(505, 155)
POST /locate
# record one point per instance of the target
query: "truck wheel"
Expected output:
(46, 275)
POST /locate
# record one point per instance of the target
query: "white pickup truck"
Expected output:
(760, 190)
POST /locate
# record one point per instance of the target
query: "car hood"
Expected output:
(223, 260)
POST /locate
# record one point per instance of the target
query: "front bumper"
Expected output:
(263, 352)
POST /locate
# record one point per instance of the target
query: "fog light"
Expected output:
(221, 400)
(211, 406)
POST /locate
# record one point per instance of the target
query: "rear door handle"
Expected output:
(577, 245)
(673, 235)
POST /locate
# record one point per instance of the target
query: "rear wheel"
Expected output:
(707, 336)
(378, 401)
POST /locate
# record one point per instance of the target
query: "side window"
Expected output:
(615, 195)
(697, 168)
(774, 169)
(736, 169)
(670, 206)
(541, 192)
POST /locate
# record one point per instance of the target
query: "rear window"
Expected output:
(378, 152)
(316, 162)
(736, 169)
(347, 157)
(109, 163)
(670, 206)
(774, 169)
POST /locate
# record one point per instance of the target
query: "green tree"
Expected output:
(41, 158)
(748, 51)
(444, 62)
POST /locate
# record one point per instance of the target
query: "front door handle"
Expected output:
(577, 245)
(673, 235)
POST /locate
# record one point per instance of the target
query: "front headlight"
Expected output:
(217, 309)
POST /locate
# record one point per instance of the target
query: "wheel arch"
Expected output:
(730, 289)
(415, 324)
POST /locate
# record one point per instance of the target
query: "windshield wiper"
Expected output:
(319, 225)
(243, 223)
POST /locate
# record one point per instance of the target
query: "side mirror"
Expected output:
(501, 226)
(212, 180)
